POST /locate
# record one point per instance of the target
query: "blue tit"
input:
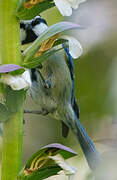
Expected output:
(53, 91)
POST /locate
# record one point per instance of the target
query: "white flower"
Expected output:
(65, 6)
(17, 82)
(75, 48)
(68, 170)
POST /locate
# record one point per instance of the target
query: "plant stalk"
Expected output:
(13, 128)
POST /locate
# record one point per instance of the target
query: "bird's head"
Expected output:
(31, 29)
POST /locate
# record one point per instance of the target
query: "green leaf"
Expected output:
(41, 166)
(51, 31)
(25, 14)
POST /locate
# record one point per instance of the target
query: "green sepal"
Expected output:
(25, 14)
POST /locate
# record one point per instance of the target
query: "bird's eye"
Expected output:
(40, 66)
(36, 21)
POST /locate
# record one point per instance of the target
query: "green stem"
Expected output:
(9, 33)
(12, 135)
(12, 129)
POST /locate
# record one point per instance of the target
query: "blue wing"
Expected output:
(65, 128)
(71, 69)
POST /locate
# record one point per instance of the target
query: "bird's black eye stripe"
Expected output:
(22, 25)
(35, 22)
(33, 74)
(40, 66)
(43, 21)
(38, 21)
(30, 37)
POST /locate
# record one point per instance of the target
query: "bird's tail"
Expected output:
(90, 152)
(92, 156)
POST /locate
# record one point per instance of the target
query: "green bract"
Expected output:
(41, 166)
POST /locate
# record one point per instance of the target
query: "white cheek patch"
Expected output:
(40, 28)
(22, 34)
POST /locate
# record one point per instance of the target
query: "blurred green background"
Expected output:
(96, 90)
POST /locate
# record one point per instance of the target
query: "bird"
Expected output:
(53, 89)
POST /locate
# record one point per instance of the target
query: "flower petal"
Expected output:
(19, 82)
(60, 147)
(64, 7)
(68, 170)
(75, 3)
(5, 68)
(75, 48)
